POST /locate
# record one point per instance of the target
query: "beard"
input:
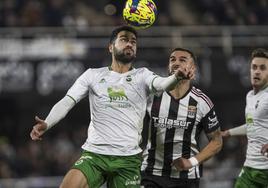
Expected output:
(123, 56)
(171, 71)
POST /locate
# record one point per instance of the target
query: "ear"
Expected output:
(193, 69)
(110, 48)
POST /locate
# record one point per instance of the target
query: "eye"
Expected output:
(182, 60)
(123, 39)
(172, 60)
(253, 67)
(263, 67)
(133, 42)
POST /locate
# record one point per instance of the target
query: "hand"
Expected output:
(38, 129)
(181, 164)
(264, 150)
(225, 133)
(185, 73)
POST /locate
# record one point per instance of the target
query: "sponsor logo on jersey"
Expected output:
(117, 94)
(212, 120)
(191, 111)
(170, 123)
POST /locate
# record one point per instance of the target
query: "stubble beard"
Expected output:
(122, 57)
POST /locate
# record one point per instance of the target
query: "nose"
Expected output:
(176, 66)
(257, 71)
(177, 63)
(129, 43)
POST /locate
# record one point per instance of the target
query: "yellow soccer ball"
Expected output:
(140, 14)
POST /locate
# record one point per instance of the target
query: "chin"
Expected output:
(254, 85)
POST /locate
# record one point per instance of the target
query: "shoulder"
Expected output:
(142, 70)
(201, 97)
(265, 91)
(250, 94)
(96, 71)
(91, 74)
(142, 73)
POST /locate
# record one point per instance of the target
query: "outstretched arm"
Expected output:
(58, 112)
(213, 147)
(237, 131)
(168, 83)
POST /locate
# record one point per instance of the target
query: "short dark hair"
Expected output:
(122, 28)
(185, 50)
(259, 52)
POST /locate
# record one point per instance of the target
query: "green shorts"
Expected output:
(118, 171)
(252, 178)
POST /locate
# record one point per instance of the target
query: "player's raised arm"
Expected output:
(168, 83)
(58, 112)
(237, 131)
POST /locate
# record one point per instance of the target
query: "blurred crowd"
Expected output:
(239, 12)
(51, 157)
(34, 13)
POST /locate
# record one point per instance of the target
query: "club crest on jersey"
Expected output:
(102, 80)
(117, 94)
(249, 119)
(191, 111)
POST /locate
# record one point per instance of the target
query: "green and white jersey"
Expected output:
(117, 107)
(257, 128)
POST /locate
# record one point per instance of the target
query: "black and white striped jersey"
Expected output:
(171, 130)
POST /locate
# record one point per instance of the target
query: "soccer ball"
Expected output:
(140, 14)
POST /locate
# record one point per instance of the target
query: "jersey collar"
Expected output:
(110, 68)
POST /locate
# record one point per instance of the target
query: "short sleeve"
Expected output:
(149, 76)
(81, 86)
(210, 121)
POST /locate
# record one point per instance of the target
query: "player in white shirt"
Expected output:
(117, 97)
(173, 158)
(254, 173)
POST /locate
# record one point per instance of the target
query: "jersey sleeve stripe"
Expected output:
(72, 98)
(198, 93)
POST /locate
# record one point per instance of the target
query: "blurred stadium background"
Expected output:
(46, 45)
